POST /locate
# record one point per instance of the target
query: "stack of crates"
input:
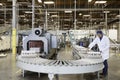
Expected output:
(5, 43)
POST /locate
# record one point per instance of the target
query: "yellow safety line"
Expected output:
(18, 71)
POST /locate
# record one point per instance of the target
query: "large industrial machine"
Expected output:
(41, 42)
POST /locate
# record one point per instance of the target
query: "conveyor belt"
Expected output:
(89, 62)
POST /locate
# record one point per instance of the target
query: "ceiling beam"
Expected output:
(78, 9)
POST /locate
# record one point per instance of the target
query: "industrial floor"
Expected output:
(9, 71)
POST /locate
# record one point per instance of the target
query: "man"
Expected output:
(103, 44)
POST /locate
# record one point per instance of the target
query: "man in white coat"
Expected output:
(103, 44)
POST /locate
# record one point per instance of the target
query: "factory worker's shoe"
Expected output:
(101, 74)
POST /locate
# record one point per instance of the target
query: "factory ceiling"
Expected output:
(61, 12)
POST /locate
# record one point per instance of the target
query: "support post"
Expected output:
(50, 76)
(46, 20)
(39, 75)
(23, 73)
(5, 15)
(75, 16)
(106, 22)
(118, 36)
(14, 28)
(98, 75)
(33, 14)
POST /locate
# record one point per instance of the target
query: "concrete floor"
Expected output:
(9, 71)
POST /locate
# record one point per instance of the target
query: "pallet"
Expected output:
(3, 55)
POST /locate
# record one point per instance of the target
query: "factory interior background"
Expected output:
(49, 39)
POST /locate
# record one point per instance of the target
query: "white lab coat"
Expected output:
(103, 46)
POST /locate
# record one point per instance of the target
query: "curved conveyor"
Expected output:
(88, 63)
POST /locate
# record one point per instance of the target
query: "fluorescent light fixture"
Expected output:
(106, 11)
(53, 12)
(66, 25)
(67, 19)
(54, 16)
(118, 16)
(40, 1)
(29, 12)
(80, 22)
(101, 2)
(68, 11)
(80, 14)
(86, 15)
(1, 4)
(35, 6)
(48, 2)
(22, 16)
(89, 0)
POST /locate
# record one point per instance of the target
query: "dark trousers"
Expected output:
(105, 69)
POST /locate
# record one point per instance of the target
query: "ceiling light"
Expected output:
(22, 16)
(106, 11)
(40, 1)
(54, 16)
(80, 22)
(35, 6)
(66, 25)
(67, 19)
(1, 4)
(48, 14)
(49, 2)
(68, 11)
(89, 0)
(86, 15)
(80, 14)
(28, 12)
(101, 2)
(118, 16)
(53, 12)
